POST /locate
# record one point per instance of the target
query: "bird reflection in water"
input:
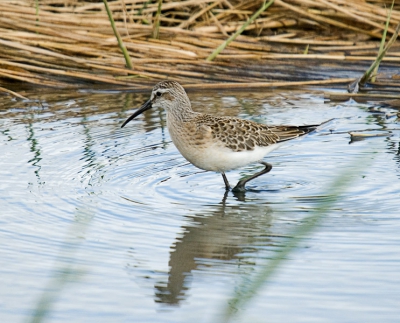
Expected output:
(221, 233)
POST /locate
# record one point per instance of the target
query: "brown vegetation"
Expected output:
(70, 43)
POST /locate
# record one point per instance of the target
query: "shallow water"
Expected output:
(113, 225)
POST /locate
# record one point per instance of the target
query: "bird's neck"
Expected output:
(181, 113)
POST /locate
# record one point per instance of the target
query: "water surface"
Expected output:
(114, 225)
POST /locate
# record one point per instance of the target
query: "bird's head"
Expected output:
(169, 95)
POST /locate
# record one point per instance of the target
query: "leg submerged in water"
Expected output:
(227, 186)
(240, 187)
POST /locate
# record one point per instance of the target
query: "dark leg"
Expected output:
(227, 186)
(240, 185)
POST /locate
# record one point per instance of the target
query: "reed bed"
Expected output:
(71, 43)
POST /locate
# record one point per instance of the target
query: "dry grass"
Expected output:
(70, 43)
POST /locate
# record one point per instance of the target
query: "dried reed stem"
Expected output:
(69, 43)
(237, 33)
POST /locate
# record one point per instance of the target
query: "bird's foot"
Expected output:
(239, 188)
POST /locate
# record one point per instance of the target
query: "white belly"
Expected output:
(221, 159)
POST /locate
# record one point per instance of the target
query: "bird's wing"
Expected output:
(237, 134)
(241, 135)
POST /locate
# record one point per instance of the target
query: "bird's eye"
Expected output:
(158, 93)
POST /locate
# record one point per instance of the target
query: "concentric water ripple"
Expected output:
(144, 229)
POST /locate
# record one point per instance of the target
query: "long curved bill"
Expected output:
(142, 109)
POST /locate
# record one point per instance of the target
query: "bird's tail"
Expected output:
(312, 127)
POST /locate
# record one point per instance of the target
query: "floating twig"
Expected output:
(13, 93)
